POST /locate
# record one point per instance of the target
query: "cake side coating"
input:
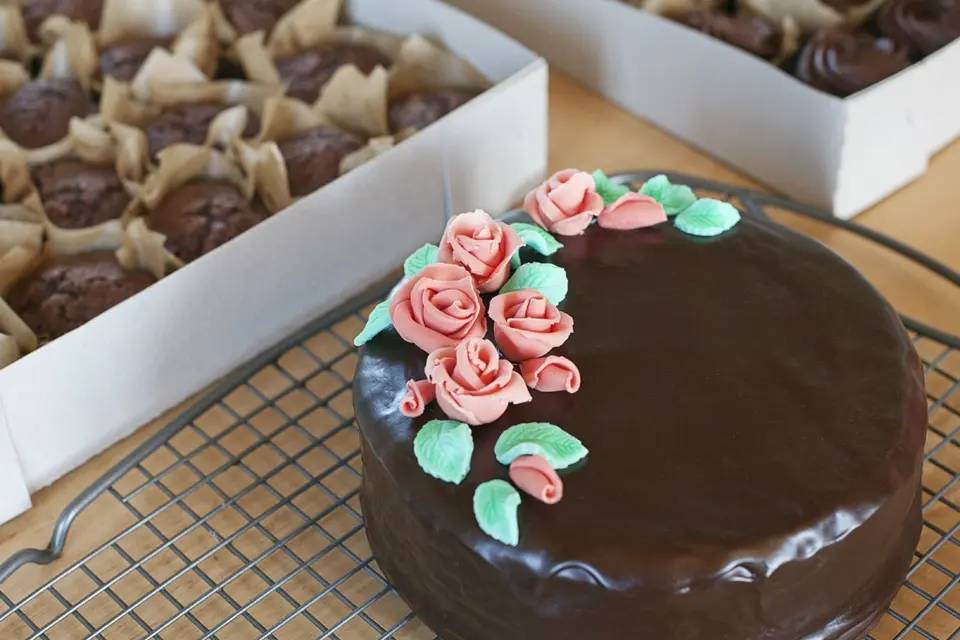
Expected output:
(755, 415)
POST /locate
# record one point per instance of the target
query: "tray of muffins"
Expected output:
(834, 102)
(167, 166)
(801, 484)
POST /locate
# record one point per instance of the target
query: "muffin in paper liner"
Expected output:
(14, 41)
(122, 149)
(299, 28)
(73, 52)
(285, 119)
(811, 15)
(346, 89)
(167, 80)
(179, 165)
(184, 27)
(21, 222)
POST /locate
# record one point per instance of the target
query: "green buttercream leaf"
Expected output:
(708, 217)
(548, 279)
(673, 197)
(425, 255)
(443, 449)
(495, 505)
(515, 261)
(609, 190)
(536, 238)
(539, 438)
(378, 321)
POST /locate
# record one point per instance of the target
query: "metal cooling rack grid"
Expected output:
(241, 518)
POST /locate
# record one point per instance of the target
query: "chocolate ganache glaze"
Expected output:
(842, 63)
(755, 416)
(921, 25)
(750, 33)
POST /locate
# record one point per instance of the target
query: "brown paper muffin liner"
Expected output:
(285, 118)
(665, 7)
(179, 164)
(811, 15)
(14, 42)
(94, 142)
(166, 80)
(189, 24)
(73, 52)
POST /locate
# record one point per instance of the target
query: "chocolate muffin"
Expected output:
(36, 11)
(843, 63)
(313, 159)
(123, 59)
(305, 73)
(750, 33)
(201, 215)
(247, 17)
(66, 292)
(188, 123)
(422, 108)
(78, 194)
(39, 112)
(922, 26)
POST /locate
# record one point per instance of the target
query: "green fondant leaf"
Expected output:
(708, 217)
(548, 279)
(378, 321)
(425, 255)
(673, 197)
(537, 238)
(443, 449)
(609, 190)
(495, 505)
(539, 438)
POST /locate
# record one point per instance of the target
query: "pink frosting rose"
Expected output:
(526, 325)
(632, 211)
(482, 246)
(565, 204)
(438, 307)
(553, 373)
(419, 394)
(534, 476)
(473, 384)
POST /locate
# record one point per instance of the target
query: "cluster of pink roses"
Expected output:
(568, 202)
(440, 310)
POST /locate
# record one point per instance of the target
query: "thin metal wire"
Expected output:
(240, 518)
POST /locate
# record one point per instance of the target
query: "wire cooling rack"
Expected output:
(241, 519)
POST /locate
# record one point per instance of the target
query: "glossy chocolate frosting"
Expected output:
(755, 415)
(750, 33)
(923, 26)
(842, 63)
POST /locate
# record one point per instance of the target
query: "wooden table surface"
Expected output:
(588, 132)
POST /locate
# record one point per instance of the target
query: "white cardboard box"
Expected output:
(840, 154)
(81, 393)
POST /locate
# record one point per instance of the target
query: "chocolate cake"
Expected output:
(122, 60)
(923, 26)
(247, 17)
(305, 73)
(36, 11)
(77, 194)
(201, 215)
(843, 63)
(313, 159)
(420, 109)
(750, 33)
(66, 292)
(189, 123)
(39, 113)
(755, 417)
